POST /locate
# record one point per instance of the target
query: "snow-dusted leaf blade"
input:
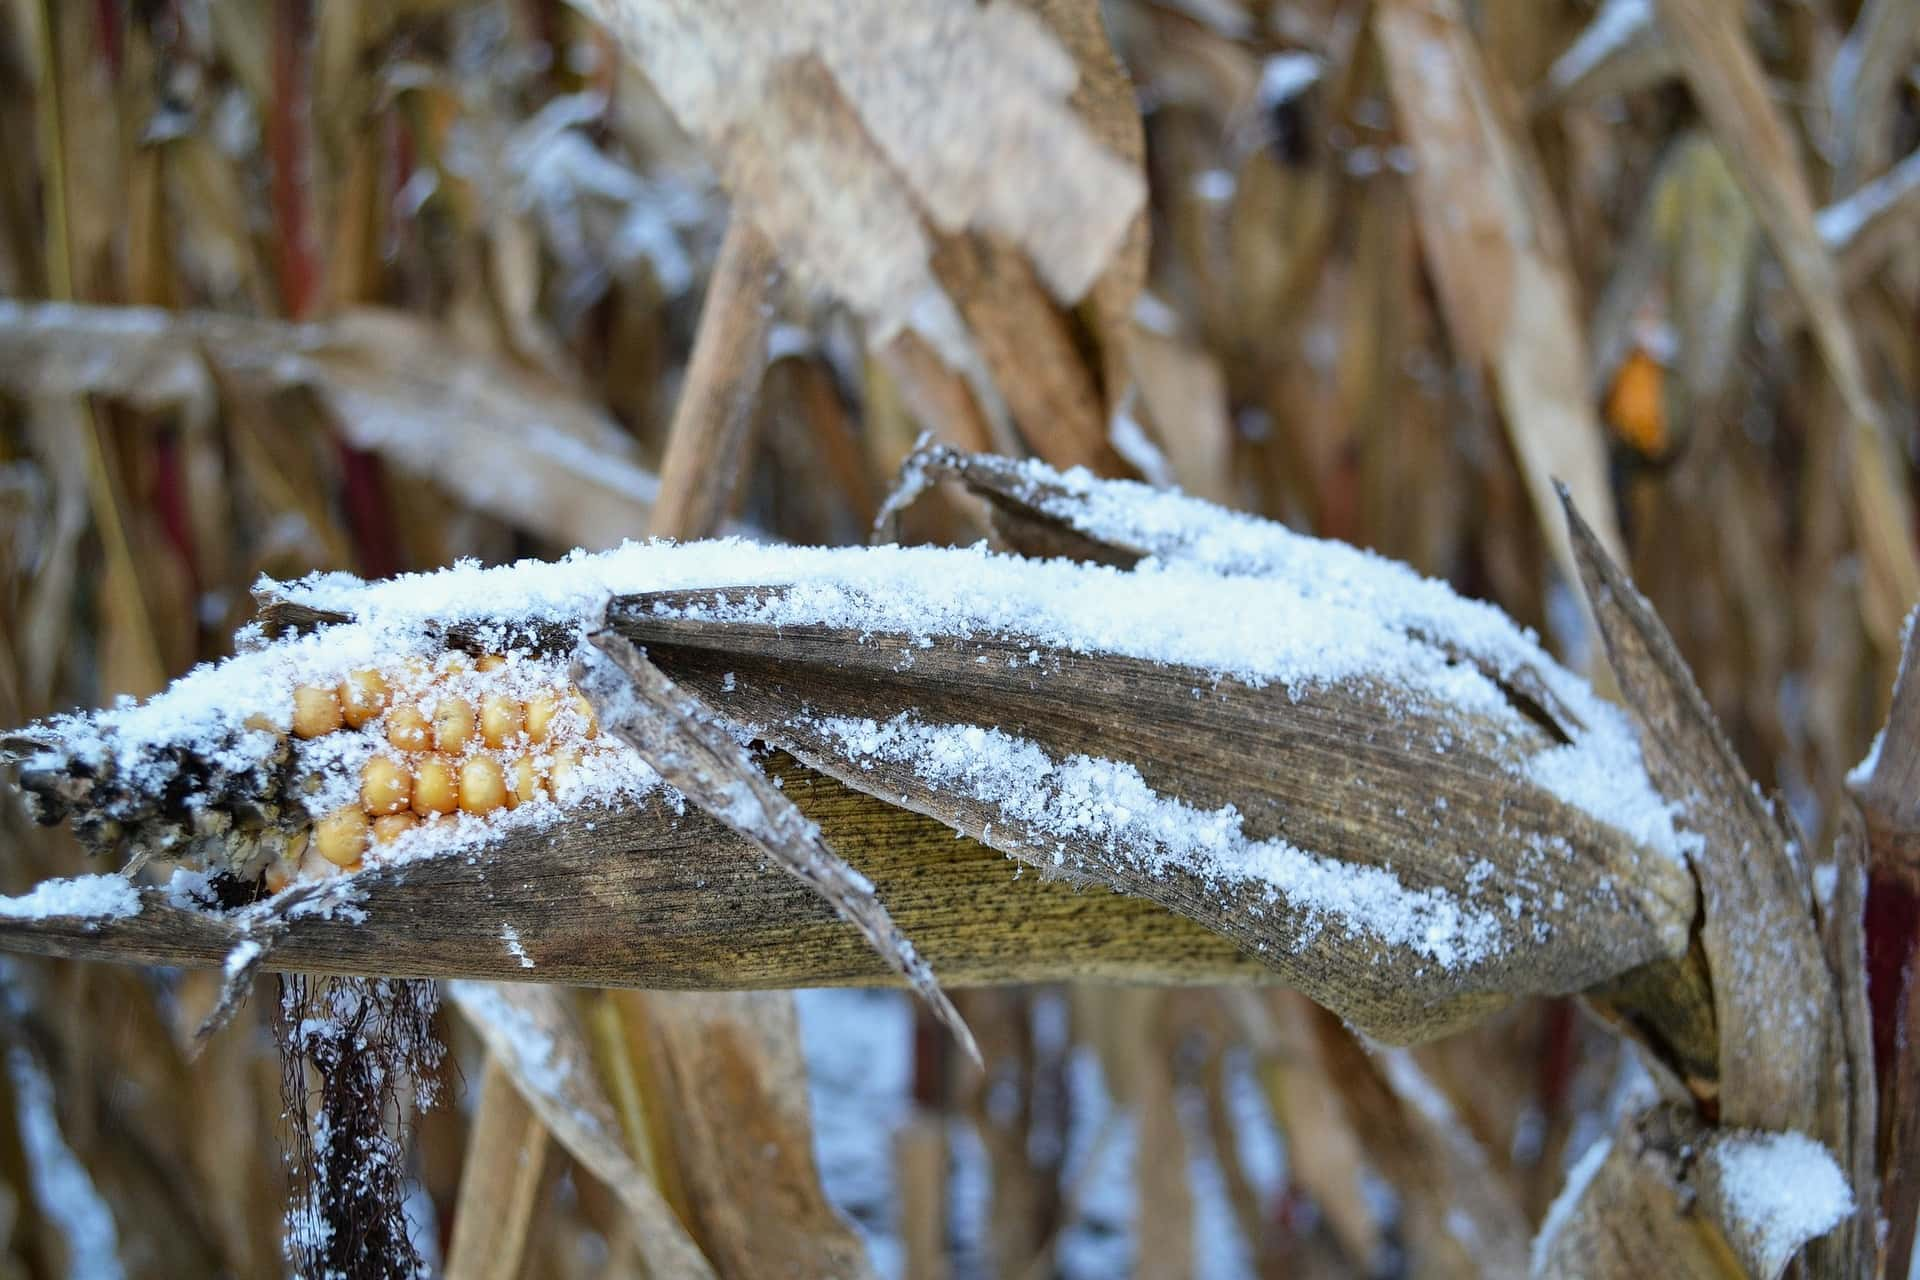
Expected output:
(1400, 855)
(682, 739)
(1758, 917)
(1390, 795)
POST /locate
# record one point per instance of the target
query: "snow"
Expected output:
(108, 897)
(1840, 223)
(1560, 1212)
(1861, 774)
(244, 953)
(1106, 803)
(510, 936)
(1285, 76)
(858, 1046)
(1780, 1190)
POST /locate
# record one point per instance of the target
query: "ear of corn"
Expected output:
(341, 772)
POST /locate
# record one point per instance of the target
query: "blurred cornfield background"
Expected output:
(420, 281)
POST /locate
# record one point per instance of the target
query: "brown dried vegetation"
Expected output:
(292, 286)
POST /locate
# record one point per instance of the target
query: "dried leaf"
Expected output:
(500, 1183)
(532, 1035)
(1726, 80)
(732, 1062)
(1296, 761)
(507, 442)
(1495, 246)
(1758, 924)
(688, 745)
(681, 904)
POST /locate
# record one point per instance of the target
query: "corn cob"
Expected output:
(331, 775)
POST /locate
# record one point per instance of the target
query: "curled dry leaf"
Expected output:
(1788, 1029)
(509, 442)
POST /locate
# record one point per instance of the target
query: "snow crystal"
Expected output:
(1560, 1212)
(511, 937)
(1108, 804)
(1779, 1189)
(244, 953)
(107, 897)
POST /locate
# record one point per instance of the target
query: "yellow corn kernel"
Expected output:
(341, 836)
(539, 718)
(590, 723)
(523, 782)
(385, 785)
(483, 787)
(390, 827)
(565, 761)
(408, 730)
(500, 719)
(363, 696)
(316, 711)
(434, 788)
(452, 725)
(282, 870)
(491, 662)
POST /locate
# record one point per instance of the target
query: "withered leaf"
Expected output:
(685, 742)
(1428, 808)
(1495, 245)
(844, 124)
(510, 442)
(531, 1032)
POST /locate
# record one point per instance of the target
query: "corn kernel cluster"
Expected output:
(456, 736)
